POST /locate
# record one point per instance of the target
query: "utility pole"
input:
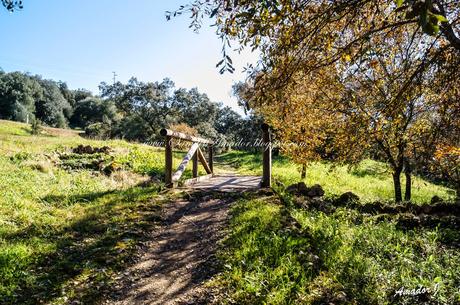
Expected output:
(114, 76)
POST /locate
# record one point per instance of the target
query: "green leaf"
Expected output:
(399, 2)
(219, 63)
(440, 18)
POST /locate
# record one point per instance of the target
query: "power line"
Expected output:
(114, 76)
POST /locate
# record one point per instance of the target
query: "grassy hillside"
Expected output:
(371, 180)
(64, 221)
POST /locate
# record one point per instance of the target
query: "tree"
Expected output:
(18, 94)
(12, 5)
(151, 102)
(93, 110)
(446, 161)
(331, 28)
(198, 111)
(52, 108)
(343, 111)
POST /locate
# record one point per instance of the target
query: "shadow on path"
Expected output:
(181, 254)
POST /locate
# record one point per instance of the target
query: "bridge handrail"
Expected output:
(179, 135)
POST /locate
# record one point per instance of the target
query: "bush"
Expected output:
(36, 127)
(98, 131)
(184, 128)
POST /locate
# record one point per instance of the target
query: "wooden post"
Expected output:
(168, 162)
(267, 157)
(195, 165)
(210, 162)
(194, 154)
(203, 161)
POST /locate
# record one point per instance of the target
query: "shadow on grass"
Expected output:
(272, 258)
(375, 170)
(87, 252)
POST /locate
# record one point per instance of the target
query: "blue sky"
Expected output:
(83, 41)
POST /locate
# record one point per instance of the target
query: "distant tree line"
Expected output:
(135, 111)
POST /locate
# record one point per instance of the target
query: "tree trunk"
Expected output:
(397, 185)
(408, 193)
(458, 194)
(304, 171)
(407, 173)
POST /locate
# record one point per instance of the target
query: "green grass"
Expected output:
(65, 233)
(278, 254)
(370, 180)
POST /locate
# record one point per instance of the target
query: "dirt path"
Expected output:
(180, 255)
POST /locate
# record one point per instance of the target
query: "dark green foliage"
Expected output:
(149, 101)
(134, 111)
(53, 109)
(36, 127)
(92, 110)
(98, 131)
(18, 93)
(12, 5)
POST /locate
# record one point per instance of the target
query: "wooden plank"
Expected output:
(192, 181)
(185, 161)
(195, 165)
(267, 157)
(168, 163)
(203, 161)
(210, 157)
(179, 135)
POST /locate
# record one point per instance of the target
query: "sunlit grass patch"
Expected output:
(278, 254)
(370, 180)
(65, 231)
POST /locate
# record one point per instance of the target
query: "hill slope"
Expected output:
(70, 219)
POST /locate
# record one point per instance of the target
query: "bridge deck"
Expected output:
(228, 183)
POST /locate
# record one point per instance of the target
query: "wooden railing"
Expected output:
(267, 157)
(195, 154)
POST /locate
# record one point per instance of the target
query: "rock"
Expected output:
(292, 188)
(426, 209)
(302, 203)
(347, 197)
(436, 199)
(82, 149)
(87, 149)
(298, 188)
(302, 189)
(315, 191)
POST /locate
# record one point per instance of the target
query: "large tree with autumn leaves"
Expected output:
(344, 111)
(344, 76)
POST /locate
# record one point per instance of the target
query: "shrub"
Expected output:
(98, 131)
(36, 127)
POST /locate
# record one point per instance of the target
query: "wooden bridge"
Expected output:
(212, 181)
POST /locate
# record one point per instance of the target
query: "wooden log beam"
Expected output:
(185, 161)
(203, 161)
(210, 157)
(168, 163)
(195, 165)
(179, 135)
(267, 157)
